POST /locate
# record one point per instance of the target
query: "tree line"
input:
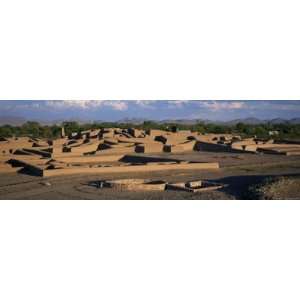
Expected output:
(36, 130)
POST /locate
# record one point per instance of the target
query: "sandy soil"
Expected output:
(240, 172)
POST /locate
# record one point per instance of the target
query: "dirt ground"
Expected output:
(239, 172)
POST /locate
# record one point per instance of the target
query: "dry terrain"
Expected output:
(180, 164)
(245, 176)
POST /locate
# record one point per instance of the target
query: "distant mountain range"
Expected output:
(254, 121)
(11, 120)
(17, 121)
(250, 121)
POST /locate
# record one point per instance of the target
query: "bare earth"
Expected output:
(240, 172)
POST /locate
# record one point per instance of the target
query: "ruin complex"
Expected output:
(115, 150)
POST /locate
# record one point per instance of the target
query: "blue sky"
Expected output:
(110, 110)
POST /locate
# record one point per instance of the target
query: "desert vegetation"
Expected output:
(37, 130)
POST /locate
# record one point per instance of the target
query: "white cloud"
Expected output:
(21, 106)
(223, 105)
(116, 105)
(146, 104)
(86, 104)
(177, 103)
